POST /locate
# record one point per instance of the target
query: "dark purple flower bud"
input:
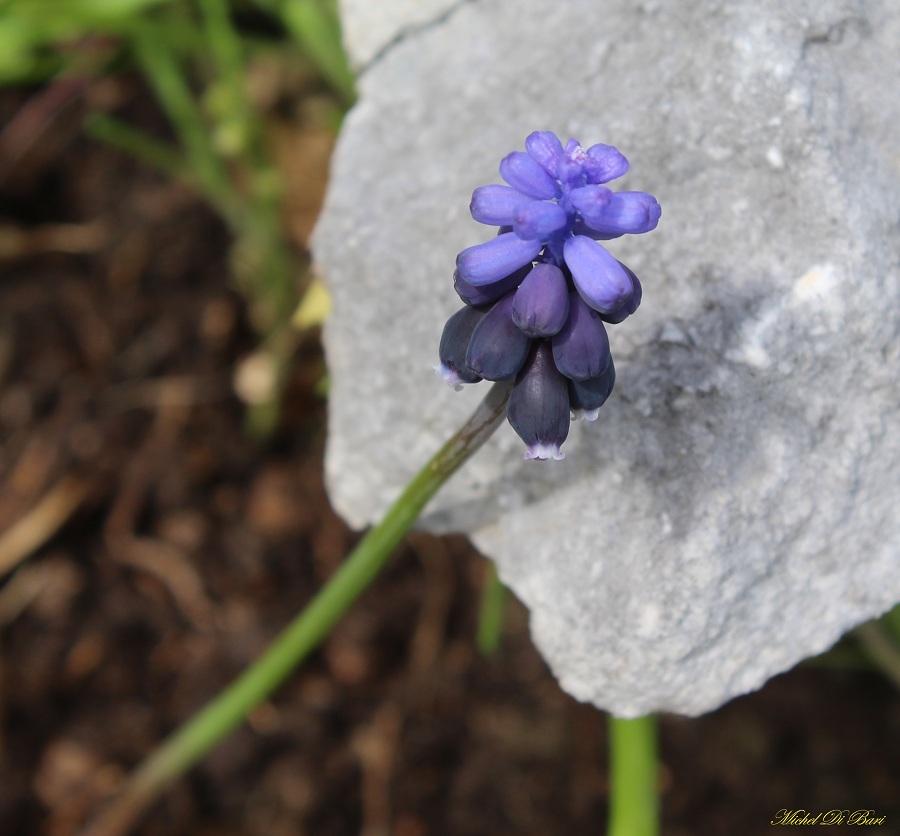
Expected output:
(539, 405)
(454, 344)
(488, 262)
(600, 279)
(541, 304)
(538, 219)
(546, 149)
(498, 347)
(581, 348)
(626, 212)
(525, 175)
(487, 294)
(587, 396)
(604, 163)
(630, 305)
(496, 205)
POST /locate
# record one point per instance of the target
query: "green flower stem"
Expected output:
(195, 738)
(634, 779)
(490, 617)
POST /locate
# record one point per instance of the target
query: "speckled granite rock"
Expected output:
(733, 510)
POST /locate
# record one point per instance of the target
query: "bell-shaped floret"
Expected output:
(541, 304)
(590, 201)
(570, 169)
(498, 347)
(538, 219)
(624, 213)
(526, 175)
(546, 149)
(496, 205)
(604, 163)
(539, 405)
(581, 348)
(454, 344)
(587, 396)
(487, 294)
(602, 282)
(630, 305)
(495, 259)
(579, 227)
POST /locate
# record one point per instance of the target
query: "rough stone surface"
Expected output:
(733, 510)
(370, 27)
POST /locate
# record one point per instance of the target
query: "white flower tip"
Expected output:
(585, 414)
(542, 452)
(449, 376)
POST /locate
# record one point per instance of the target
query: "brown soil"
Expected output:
(168, 548)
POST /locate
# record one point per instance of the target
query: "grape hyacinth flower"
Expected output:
(538, 295)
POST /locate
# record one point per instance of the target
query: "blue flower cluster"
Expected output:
(537, 296)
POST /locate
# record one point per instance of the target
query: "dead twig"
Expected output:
(43, 521)
(78, 239)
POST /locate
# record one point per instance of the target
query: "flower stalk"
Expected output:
(634, 778)
(188, 744)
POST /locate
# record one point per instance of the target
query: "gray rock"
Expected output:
(733, 510)
(369, 28)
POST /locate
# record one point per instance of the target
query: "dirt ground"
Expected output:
(168, 548)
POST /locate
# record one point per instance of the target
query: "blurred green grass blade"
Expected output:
(318, 30)
(16, 45)
(87, 10)
(225, 100)
(316, 27)
(490, 616)
(876, 640)
(891, 621)
(167, 77)
(31, 31)
(145, 148)
(45, 21)
(224, 42)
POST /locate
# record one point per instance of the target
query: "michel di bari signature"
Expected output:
(829, 817)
